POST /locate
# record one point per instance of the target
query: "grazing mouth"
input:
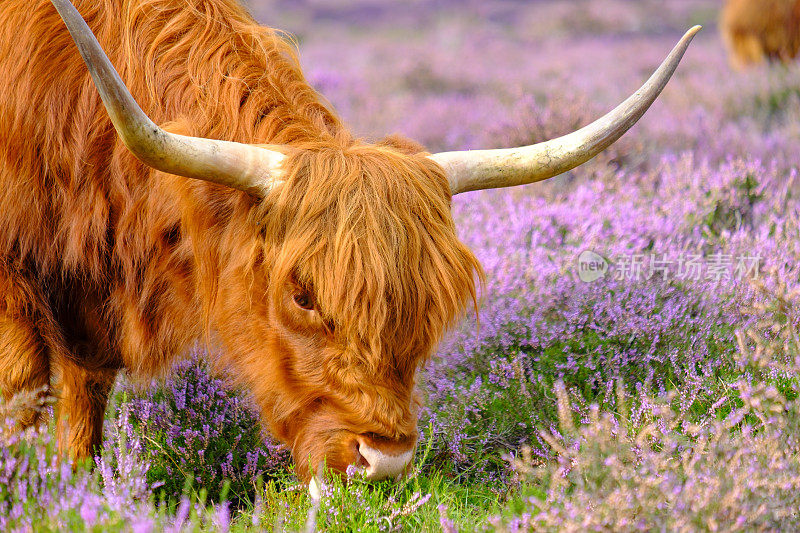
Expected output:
(377, 465)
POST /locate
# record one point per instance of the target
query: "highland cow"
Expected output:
(758, 30)
(324, 269)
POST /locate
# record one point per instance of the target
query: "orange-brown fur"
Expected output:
(755, 30)
(108, 265)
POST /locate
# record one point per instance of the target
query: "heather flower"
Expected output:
(200, 433)
(737, 471)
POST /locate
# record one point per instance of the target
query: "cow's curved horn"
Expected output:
(245, 167)
(490, 169)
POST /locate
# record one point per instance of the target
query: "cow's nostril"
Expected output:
(361, 461)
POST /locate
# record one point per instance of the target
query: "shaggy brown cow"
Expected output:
(755, 30)
(325, 269)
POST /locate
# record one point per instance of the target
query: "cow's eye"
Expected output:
(303, 300)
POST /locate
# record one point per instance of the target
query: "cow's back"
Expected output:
(68, 188)
(54, 197)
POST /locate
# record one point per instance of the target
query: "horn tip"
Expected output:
(693, 30)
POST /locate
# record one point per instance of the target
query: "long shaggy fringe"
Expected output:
(375, 245)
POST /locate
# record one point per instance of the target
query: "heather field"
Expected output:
(635, 363)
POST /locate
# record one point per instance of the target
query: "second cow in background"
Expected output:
(755, 30)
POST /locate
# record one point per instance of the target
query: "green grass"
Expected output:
(361, 506)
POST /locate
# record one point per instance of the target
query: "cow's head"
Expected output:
(362, 271)
(365, 272)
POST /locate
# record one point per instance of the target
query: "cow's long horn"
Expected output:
(245, 167)
(490, 169)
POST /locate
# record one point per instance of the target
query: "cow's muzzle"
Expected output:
(374, 459)
(379, 459)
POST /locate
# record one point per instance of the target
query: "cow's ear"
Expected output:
(402, 144)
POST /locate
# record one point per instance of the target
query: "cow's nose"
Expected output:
(381, 460)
